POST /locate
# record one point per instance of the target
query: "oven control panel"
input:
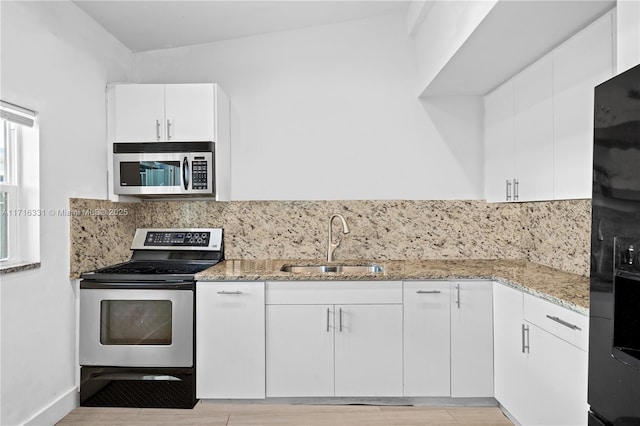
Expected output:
(178, 239)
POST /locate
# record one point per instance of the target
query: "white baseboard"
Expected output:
(56, 410)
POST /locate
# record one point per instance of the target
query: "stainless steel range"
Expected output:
(137, 321)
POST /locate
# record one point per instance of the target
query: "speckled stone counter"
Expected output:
(19, 267)
(563, 288)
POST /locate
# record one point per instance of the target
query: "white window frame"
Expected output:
(17, 125)
(10, 187)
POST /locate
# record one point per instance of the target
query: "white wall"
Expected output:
(628, 34)
(444, 30)
(331, 112)
(57, 61)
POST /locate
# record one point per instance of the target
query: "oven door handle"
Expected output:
(139, 285)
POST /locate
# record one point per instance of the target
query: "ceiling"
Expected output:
(158, 24)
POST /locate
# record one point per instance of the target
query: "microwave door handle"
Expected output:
(185, 173)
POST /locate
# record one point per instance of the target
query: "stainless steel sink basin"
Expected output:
(345, 269)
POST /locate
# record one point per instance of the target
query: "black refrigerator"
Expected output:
(614, 323)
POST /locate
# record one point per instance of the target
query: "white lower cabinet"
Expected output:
(540, 359)
(333, 349)
(300, 348)
(468, 338)
(230, 342)
(427, 338)
(510, 363)
(448, 339)
(368, 351)
(471, 339)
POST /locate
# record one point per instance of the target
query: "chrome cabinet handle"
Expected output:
(229, 292)
(158, 129)
(563, 322)
(428, 291)
(168, 129)
(340, 320)
(525, 338)
(328, 312)
(508, 190)
(516, 190)
(458, 295)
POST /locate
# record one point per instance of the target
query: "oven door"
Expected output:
(168, 173)
(136, 327)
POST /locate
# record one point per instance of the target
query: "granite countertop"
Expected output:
(563, 288)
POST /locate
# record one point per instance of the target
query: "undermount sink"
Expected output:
(345, 269)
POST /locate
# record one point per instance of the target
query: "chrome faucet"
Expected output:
(332, 245)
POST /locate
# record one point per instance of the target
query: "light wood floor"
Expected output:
(208, 413)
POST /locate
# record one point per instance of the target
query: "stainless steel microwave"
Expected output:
(164, 169)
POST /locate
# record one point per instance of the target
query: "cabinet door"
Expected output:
(139, 113)
(300, 350)
(580, 64)
(509, 354)
(557, 385)
(472, 339)
(230, 342)
(189, 112)
(368, 352)
(427, 338)
(533, 128)
(498, 143)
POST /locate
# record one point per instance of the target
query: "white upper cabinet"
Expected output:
(533, 132)
(498, 136)
(139, 113)
(551, 122)
(189, 112)
(580, 64)
(164, 113)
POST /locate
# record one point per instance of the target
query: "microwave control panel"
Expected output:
(199, 177)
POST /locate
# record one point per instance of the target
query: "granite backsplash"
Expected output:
(554, 233)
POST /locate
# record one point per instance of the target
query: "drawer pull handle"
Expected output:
(563, 322)
(229, 292)
(428, 291)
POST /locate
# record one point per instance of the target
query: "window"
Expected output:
(18, 135)
(8, 188)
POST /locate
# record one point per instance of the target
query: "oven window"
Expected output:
(150, 173)
(135, 322)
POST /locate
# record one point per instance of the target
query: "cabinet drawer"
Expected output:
(333, 292)
(561, 322)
